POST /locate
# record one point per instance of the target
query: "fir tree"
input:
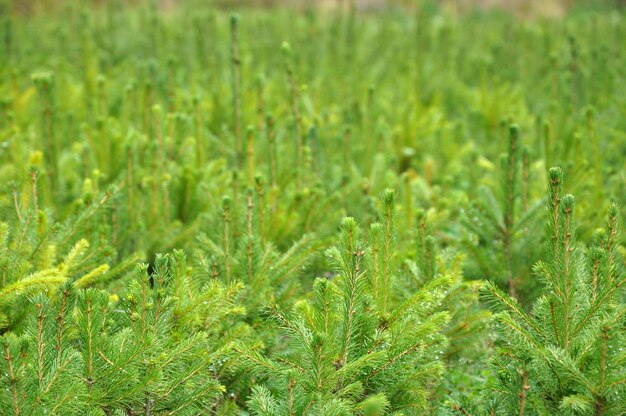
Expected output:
(565, 356)
(346, 354)
(501, 223)
(155, 352)
(40, 253)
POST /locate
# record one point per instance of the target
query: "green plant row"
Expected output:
(310, 212)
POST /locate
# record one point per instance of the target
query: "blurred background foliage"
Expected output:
(533, 8)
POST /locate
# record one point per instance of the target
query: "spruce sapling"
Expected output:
(344, 354)
(562, 357)
(499, 224)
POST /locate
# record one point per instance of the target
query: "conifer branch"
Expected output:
(387, 217)
(554, 199)
(350, 308)
(568, 206)
(512, 305)
(392, 360)
(47, 278)
(61, 321)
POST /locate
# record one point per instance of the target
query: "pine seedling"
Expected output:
(343, 353)
(43, 370)
(40, 254)
(267, 271)
(152, 353)
(383, 250)
(467, 332)
(501, 229)
(176, 367)
(564, 357)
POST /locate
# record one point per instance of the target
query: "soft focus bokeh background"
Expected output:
(540, 8)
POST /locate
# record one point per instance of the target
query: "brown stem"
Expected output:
(40, 343)
(89, 347)
(13, 380)
(522, 395)
(461, 410)
(292, 384)
(566, 274)
(554, 325)
(35, 192)
(61, 322)
(147, 408)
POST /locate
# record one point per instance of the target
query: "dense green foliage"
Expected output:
(359, 211)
